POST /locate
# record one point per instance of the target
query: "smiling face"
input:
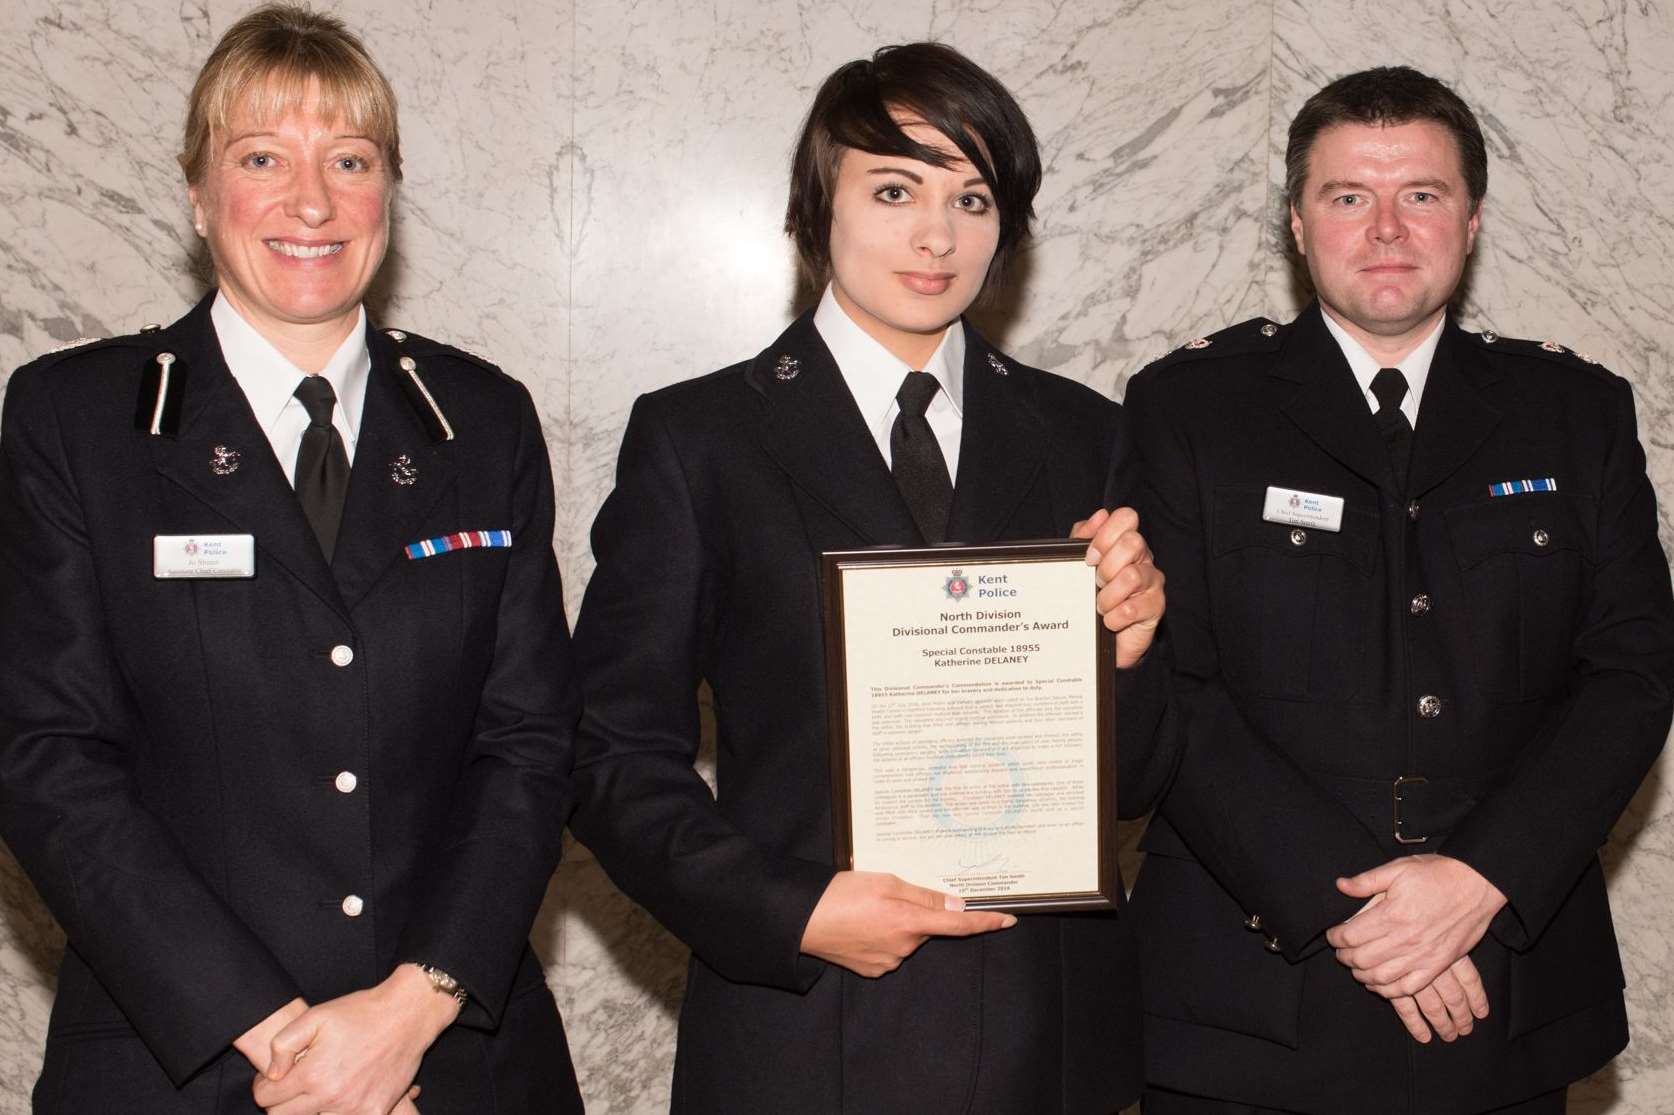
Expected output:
(296, 214)
(1386, 223)
(910, 243)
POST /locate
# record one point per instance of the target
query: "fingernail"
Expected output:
(1009, 921)
(1092, 557)
(953, 902)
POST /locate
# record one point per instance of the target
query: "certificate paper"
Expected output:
(972, 721)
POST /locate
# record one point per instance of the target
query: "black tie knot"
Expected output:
(317, 398)
(1389, 387)
(916, 392)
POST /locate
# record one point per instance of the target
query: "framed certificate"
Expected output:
(972, 695)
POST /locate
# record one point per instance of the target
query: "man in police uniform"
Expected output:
(1425, 642)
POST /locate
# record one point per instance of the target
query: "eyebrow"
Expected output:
(905, 173)
(260, 133)
(1434, 185)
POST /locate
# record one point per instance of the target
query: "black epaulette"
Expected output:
(1490, 341)
(1258, 334)
(85, 345)
(418, 346)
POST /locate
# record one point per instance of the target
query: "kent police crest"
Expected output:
(957, 586)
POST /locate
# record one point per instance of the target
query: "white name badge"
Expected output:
(176, 556)
(1303, 509)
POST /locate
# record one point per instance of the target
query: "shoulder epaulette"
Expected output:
(419, 345)
(84, 345)
(1258, 334)
(1545, 350)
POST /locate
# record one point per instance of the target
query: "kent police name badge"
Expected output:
(1303, 509)
(203, 556)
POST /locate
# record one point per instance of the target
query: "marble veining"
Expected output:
(593, 200)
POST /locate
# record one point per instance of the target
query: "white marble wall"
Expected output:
(593, 197)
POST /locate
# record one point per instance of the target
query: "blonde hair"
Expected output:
(269, 61)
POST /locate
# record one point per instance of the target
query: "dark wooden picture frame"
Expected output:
(832, 566)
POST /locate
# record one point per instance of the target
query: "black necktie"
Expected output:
(322, 465)
(916, 460)
(1389, 387)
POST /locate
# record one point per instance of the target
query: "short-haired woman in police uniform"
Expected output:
(285, 695)
(814, 990)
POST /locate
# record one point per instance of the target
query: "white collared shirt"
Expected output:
(1416, 366)
(874, 374)
(269, 382)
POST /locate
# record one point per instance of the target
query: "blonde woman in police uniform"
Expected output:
(286, 700)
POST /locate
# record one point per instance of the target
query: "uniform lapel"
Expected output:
(380, 515)
(1329, 406)
(1456, 414)
(1002, 444)
(252, 494)
(813, 430)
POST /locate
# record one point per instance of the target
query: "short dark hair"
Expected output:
(948, 92)
(1387, 95)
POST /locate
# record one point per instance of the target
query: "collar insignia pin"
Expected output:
(787, 367)
(403, 471)
(998, 365)
(224, 461)
(1201, 342)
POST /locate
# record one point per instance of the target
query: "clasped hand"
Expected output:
(1410, 943)
(353, 1055)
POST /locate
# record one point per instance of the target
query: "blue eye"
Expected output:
(258, 160)
(353, 164)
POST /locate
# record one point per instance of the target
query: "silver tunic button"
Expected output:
(345, 782)
(1420, 604)
(1298, 537)
(353, 905)
(342, 654)
(1412, 510)
(1429, 707)
(1541, 538)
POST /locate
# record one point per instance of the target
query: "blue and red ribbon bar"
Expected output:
(464, 540)
(1518, 487)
